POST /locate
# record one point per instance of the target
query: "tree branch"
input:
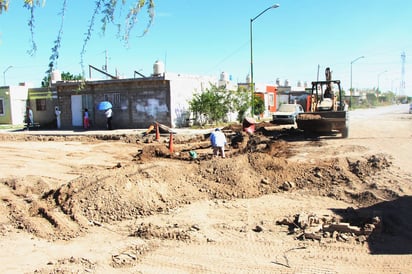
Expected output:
(89, 32)
(29, 5)
(57, 43)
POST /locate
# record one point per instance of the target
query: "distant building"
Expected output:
(15, 99)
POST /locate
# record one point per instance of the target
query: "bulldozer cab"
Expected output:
(326, 96)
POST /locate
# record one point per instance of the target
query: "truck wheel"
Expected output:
(345, 132)
(307, 134)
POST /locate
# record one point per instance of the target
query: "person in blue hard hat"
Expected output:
(218, 142)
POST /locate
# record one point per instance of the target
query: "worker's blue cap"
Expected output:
(217, 129)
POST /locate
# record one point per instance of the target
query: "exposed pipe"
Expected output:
(101, 71)
(136, 72)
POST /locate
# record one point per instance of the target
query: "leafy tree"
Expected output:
(211, 105)
(214, 104)
(106, 10)
(389, 97)
(259, 105)
(66, 76)
(241, 102)
(371, 99)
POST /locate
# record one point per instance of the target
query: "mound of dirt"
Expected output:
(154, 180)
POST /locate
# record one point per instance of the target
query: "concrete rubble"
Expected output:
(329, 228)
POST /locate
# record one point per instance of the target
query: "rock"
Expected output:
(343, 228)
(96, 223)
(265, 181)
(362, 239)
(258, 229)
(287, 186)
(313, 236)
(284, 221)
(344, 237)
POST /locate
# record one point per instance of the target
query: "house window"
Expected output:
(113, 98)
(1, 107)
(271, 99)
(40, 104)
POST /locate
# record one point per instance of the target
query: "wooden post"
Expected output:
(171, 143)
(157, 131)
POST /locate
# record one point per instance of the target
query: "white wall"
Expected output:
(182, 88)
(18, 100)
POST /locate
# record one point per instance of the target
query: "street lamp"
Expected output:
(252, 86)
(379, 76)
(4, 73)
(392, 89)
(350, 100)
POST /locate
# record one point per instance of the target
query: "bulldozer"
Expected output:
(327, 115)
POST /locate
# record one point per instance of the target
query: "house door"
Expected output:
(77, 113)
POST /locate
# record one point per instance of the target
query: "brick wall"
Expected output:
(136, 102)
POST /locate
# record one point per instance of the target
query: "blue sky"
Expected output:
(208, 37)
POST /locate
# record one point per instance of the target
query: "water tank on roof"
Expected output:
(223, 76)
(277, 81)
(223, 80)
(56, 76)
(248, 79)
(158, 68)
(286, 83)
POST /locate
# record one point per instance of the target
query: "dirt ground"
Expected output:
(115, 202)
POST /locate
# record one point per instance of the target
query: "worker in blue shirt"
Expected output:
(218, 142)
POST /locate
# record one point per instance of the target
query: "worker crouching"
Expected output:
(218, 142)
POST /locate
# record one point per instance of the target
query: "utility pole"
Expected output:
(402, 85)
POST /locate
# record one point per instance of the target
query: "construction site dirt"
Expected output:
(126, 202)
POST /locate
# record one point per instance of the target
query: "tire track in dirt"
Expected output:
(267, 256)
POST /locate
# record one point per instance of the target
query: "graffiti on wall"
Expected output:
(152, 107)
(182, 115)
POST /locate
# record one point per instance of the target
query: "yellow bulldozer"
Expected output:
(327, 115)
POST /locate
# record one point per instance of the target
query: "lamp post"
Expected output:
(350, 99)
(252, 85)
(377, 89)
(4, 73)
(379, 76)
(392, 89)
